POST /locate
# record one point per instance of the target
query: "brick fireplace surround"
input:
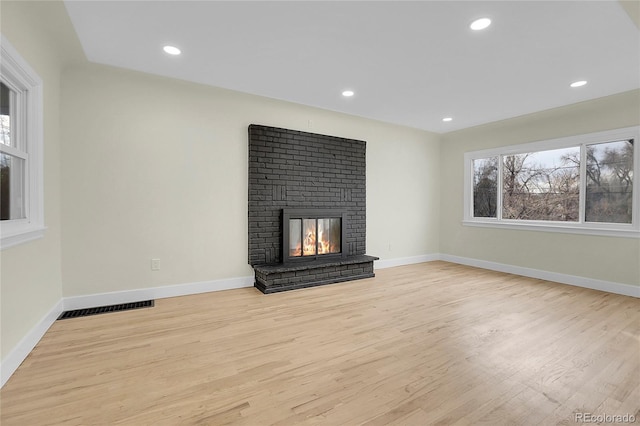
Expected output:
(291, 169)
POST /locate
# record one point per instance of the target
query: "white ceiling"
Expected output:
(410, 63)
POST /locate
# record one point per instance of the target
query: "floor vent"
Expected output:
(106, 309)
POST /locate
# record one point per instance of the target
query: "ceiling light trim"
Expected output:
(480, 24)
(171, 50)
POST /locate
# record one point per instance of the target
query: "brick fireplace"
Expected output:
(307, 209)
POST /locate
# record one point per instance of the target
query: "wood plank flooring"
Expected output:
(432, 343)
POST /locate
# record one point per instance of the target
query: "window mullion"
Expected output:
(20, 124)
(499, 186)
(635, 206)
(13, 120)
(583, 184)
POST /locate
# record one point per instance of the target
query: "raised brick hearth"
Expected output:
(291, 170)
(280, 277)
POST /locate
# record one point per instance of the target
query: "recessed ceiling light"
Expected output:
(347, 93)
(480, 24)
(172, 50)
(578, 83)
(447, 119)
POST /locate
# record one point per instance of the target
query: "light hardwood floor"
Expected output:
(432, 343)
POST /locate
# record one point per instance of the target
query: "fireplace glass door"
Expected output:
(314, 236)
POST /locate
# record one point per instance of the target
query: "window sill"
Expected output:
(15, 239)
(580, 229)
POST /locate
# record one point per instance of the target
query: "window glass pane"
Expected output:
(485, 187)
(609, 182)
(6, 97)
(336, 235)
(295, 235)
(329, 235)
(543, 185)
(309, 237)
(11, 187)
(324, 236)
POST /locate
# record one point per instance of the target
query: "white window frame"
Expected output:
(17, 74)
(631, 230)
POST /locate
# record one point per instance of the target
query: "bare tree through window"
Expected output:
(485, 187)
(577, 184)
(609, 182)
(543, 185)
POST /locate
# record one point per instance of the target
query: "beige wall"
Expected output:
(157, 168)
(30, 277)
(603, 258)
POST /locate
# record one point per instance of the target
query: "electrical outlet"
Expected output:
(155, 264)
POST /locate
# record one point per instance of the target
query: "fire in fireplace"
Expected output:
(309, 237)
(309, 233)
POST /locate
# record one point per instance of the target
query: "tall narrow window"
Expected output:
(13, 159)
(21, 186)
(485, 187)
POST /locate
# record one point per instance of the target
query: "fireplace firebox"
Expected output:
(312, 234)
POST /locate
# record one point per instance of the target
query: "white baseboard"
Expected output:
(390, 263)
(608, 286)
(20, 352)
(127, 296)
(594, 284)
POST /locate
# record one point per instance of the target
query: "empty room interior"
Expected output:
(337, 213)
